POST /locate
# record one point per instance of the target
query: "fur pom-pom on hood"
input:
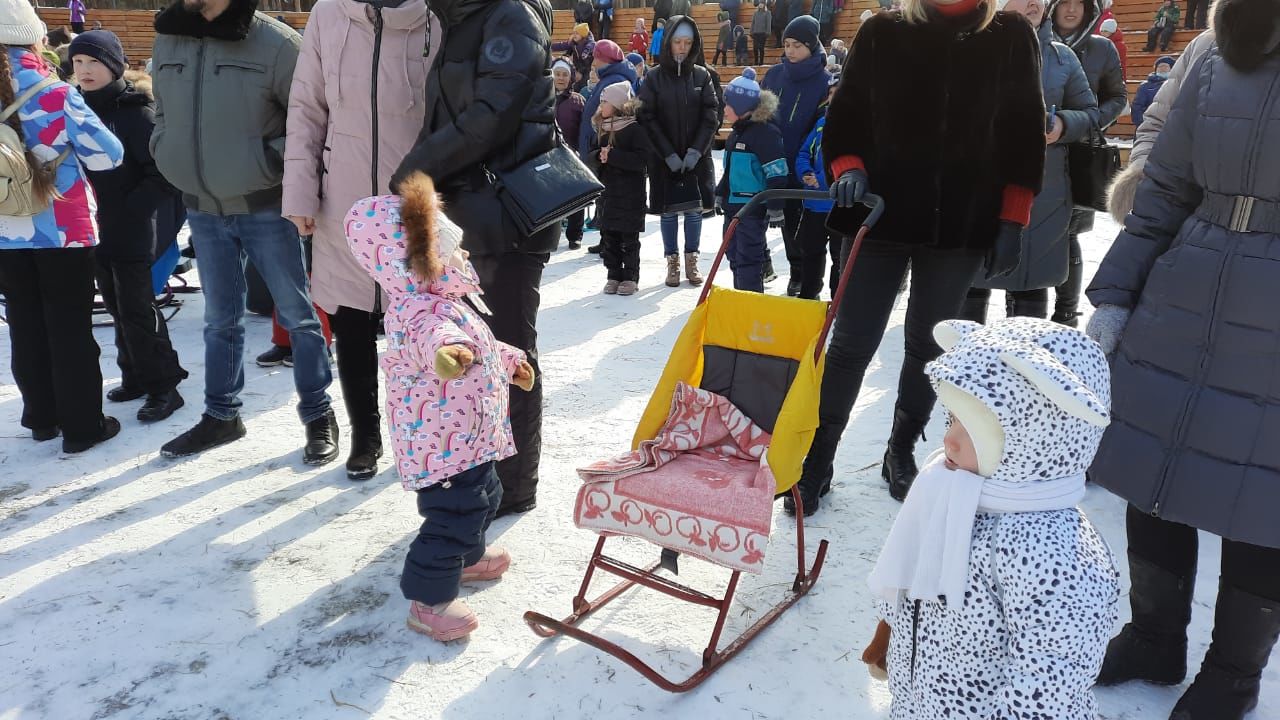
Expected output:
(1035, 396)
(408, 245)
(1247, 31)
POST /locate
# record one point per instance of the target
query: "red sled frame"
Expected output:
(806, 576)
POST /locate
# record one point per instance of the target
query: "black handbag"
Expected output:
(546, 188)
(1092, 164)
(683, 193)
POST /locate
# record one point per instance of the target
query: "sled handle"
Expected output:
(875, 202)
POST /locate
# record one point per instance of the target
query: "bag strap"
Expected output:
(24, 97)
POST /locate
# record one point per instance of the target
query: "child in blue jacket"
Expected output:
(655, 45)
(754, 160)
(815, 239)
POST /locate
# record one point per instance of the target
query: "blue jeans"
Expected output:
(671, 229)
(272, 244)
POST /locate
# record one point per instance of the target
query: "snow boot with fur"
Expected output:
(1153, 645)
(447, 621)
(1245, 628)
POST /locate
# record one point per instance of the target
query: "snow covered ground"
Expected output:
(243, 584)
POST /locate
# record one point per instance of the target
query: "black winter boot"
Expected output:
(1245, 628)
(366, 448)
(322, 440)
(899, 469)
(1153, 645)
(811, 495)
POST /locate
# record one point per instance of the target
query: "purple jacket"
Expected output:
(569, 105)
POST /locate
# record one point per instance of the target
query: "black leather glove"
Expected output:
(1005, 254)
(674, 163)
(848, 190)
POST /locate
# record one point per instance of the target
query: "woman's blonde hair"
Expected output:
(913, 11)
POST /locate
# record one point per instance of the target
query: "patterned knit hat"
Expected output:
(743, 93)
(19, 24)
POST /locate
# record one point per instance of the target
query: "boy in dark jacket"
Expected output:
(754, 161)
(128, 198)
(740, 49)
(1148, 89)
(724, 41)
(569, 107)
(815, 239)
(619, 153)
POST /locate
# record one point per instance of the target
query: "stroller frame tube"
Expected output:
(806, 576)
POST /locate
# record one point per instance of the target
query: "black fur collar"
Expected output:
(1247, 31)
(233, 24)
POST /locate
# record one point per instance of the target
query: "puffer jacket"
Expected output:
(569, 107)
(612, 73)
(801, 88)
(809, 161)
(1197, 369)
(490, 106)
(54, 121)
(1046, 251)
(623, 206)
(761, 21)
(1101, 63)
(680, 111)
(439, 428)
(333, 143)
(129, 195)
(1145, 95)
(224, 162)
(1043, 589)
(755, 159)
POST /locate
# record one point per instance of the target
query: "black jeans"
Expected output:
(757, 46)
(720, 53)
(452, 533)
(1174, 547)
(939, 280)
(147, 360)
(620, 252)
(355, 334)
(511, 290)
(816, 242)
(49, 305)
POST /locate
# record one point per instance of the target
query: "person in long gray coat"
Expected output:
(1187, 302)
(1045, 248)
(1073, 24)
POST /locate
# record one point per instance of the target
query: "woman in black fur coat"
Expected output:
(939, 111)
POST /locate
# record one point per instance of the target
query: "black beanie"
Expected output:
(805, 29)
(103, 46)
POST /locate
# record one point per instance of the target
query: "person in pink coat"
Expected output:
(448, 383)
(338, 150)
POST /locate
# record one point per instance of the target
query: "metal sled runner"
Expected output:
(765, 354)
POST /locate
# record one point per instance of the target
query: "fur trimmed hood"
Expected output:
(766, 110)
(233, 24)
(1248, 31)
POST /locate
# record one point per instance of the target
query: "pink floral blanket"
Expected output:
(702, 486)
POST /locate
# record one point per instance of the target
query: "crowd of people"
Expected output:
(381, 134)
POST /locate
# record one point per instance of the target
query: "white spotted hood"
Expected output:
(1035, 396)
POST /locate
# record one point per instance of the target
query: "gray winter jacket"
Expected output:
(1045, 250)
(761, 21)
(1101, 62)
(222, 90)
(1196, 410)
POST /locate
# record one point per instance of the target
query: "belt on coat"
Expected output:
(1240, 213)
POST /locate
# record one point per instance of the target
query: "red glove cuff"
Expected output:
(1016, 207)
(843, 164)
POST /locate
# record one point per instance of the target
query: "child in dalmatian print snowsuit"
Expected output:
(998, 594)
(447, 397)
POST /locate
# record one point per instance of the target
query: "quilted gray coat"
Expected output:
(1045, 251)
(1196, 376)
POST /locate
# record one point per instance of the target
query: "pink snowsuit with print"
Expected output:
(439, 428)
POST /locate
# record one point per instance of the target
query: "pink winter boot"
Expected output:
(444, 622)
(496, 560)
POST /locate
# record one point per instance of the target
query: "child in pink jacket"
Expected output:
(447, 397)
